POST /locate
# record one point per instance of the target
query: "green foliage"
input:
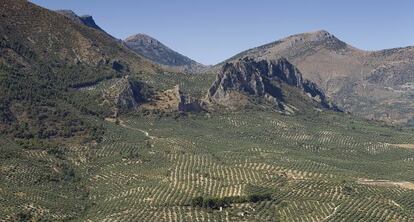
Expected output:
(254, 198)
(217, 203)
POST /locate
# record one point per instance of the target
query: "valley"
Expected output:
(93, 128)
(152, 168)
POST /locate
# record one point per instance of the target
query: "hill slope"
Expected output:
(157, 52)
(45, 58)
(277, 82)
(371, 84)
(44, 54)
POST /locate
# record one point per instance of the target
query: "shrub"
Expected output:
(216, 203)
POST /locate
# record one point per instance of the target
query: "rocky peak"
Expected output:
(89, 21)
(317, 36)
(263, 79)
(143, 39)
(71, 15)
(83, 20)
(321, 35)
(157, 52)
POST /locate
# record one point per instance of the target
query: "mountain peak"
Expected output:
(71, 15)
(321, 32)
(157, 52)
(139, 36)
(275, 81)
(143, 39)
(315, 36)
(84, 19)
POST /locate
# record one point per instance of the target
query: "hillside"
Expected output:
(276, 82)
(374, 84)
(44, 55)
(157, 52)
(44, 58)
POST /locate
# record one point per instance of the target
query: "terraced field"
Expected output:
(330, 168)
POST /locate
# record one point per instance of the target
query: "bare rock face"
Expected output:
(372, 84)
(240, 80)
(84, 20)
(126, 95)
(174, 100)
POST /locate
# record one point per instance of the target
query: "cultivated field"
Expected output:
(329, 168)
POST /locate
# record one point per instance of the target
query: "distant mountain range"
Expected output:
(157, 52)
(372, 84)
(376, 85)
(72, 53)
(93, 128)
(145, 46)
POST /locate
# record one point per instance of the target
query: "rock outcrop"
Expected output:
(372, 84)
(241, 80)
(84, 20)
(173, 100)
(126, 95)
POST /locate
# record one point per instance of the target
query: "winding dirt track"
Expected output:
(407, 146)
(122, 123)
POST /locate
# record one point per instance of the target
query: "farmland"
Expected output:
(315, 168)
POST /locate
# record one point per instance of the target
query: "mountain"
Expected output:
(372, 84)
(157, 52)
(45, 55)
(85, 19)
(48, 117)
(91, 131)
(277, 82)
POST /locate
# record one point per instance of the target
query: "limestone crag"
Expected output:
(173, 100)
(245, 78)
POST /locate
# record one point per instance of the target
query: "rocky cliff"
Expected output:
(173, 100)
(371, 84)
(273, 80)
(84, 20)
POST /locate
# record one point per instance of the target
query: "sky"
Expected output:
(210, 31)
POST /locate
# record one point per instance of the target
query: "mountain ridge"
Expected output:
(275, 81)
(87, 20)
(159, 53)
(353, 78)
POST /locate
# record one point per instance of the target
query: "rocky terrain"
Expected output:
(157, 52)
(127, 95)
(84, 19)
(372, 84)
(173, 100)
(92, 131)
(272, 80)
(49, 54)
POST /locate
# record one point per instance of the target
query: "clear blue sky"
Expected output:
(210, 31)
